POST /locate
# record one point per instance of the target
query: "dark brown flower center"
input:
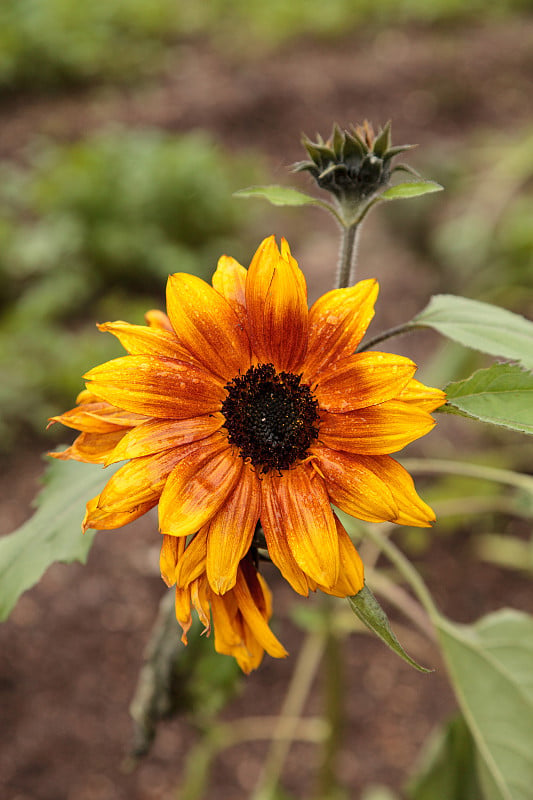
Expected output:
(270, 416)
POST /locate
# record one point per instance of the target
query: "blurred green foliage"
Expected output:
(89, 232)
(60, 41)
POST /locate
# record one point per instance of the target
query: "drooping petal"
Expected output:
(157, 435)
(337, 322)
(276, 301)
(92, 448)
(157, 387)
(353, 486)
(171, 552)
(276, 540)
(200, 599)
(231, 531)
(101, 520)
(351, 573)
(253, 616)
(183, 610)
(422, 396)
(141, 340)
(361, 380)
(297, 509)
(198, 486)
(207, 326)
(385, 428)
(411, 508)
(192, 562)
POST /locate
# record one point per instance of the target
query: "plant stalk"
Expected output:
(346, 269)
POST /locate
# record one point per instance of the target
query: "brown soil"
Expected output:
(70, 654)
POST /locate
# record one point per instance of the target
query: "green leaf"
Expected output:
(490, 670)
(410, 189)
(501, 395)
(370, 612)
(53, 533)
(481, 326)
(448, 770)
(279, 195)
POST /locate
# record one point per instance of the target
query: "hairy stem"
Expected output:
(398, 330)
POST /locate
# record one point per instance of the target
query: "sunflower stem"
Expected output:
(398, 330)
(347, 259)
(301, 682)
(327, 784)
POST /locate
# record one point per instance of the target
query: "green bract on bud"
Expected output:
(352, 164)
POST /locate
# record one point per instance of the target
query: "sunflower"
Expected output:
(243, 406)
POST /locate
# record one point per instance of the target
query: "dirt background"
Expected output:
(70, 654)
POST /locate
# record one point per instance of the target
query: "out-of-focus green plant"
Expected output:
(59, 41)
(92, 227)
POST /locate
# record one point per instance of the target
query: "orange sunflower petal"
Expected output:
(254, 618)
(422, 396)
(361, 380)
(207, 326)
(157, 435)
(92, 448)
(183, 610)
(140, 340)
(139, 481)
(101, 519)
(385, 428)
(156, 387)
(353, 486)
(96, 416)
(158, 319)
(198, 486)
(229, 280)
(192, 562)
(171, 552)
(412, 510)
(231, 531)
(276, 301)
(337, 322)
(351, 574)
(297, 509)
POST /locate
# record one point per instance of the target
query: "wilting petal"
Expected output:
(296, 508)
(192, 562)
(140, 340)
(158, 319)
(337, 322)
(207, 326)
(157, 387)
(254, 616)
(92, 448)
(183, 610)
(139, 481)
(200, 600)
(376, 430)
(198, 486)
(229, 280)
(276, 301)
(361, 380)
(171, 552)
(231, 531)
(157, 435)
(422, 396)
(353, 486)
(100, 519)
(351, 573)
(411, 508)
